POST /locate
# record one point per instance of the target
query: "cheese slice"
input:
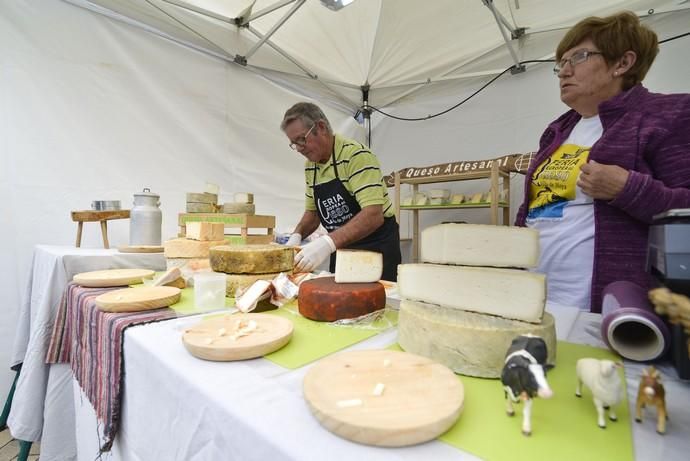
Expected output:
(358, 266)
(239, 208)
(480, 245)
(187, 248)
(243, 197)
(457, 199)
(243, 281)
(468, 343)
(509, 293)
(204, 230)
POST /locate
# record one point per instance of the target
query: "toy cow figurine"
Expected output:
(651, 392)
(524, 376)
(601, 377)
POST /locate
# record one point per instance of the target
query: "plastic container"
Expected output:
(209, 290)
(145, 219)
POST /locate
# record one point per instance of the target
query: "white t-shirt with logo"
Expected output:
(564, 216)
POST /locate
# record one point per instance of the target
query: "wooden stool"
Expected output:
(101, 216)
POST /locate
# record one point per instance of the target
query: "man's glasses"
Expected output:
(302, 140)
(577, 58)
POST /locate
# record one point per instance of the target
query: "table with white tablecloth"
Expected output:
(42, 407)
(176, 407)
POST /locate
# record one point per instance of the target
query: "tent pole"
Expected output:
(265, 11)
(284, 53)
(243, 59)
(518, 67)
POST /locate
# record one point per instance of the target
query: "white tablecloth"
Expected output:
(42, 408)
(177, 407)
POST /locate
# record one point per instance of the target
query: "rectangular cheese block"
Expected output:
(476, 198)
(204, 230)
(243, 197)
(509, 293)
(437, 201)
(439, 193)
(406, 201)
(187, 248)
(480, 245)
(358, 266)
(420, 199)
(457, 199)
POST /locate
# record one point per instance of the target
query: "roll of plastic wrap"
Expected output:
(630, 326)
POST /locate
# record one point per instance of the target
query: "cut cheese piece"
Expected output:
(437, 201)
(480, 245)
(252, 259)
(323, 300)
(457, 199)
(243, 197)
(187, 248)
(406, 201)
(439, 193)
(420, 199)
(468, 343)
(243, 281)
(239, 208)
(509, 293)
(476, 198)
(204, 230)
(358, 266)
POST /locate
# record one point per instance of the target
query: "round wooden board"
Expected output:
(271, 334)
(140, 249)
(138, 299)
(421, 399)
(112, 277)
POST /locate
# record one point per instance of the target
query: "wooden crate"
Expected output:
(241, 222)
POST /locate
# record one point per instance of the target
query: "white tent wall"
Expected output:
(94, 109)
(507, 117)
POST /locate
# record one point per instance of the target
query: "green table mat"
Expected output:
(564, 428)
(313, 340)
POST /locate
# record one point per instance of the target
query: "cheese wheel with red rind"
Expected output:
(323, 300)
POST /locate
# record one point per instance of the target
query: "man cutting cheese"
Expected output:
(345, 193)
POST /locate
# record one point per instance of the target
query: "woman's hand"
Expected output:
(603, 182)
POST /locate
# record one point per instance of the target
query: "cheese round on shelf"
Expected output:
(324, 300)
(358, 266)
(468, 343)
(252, 259)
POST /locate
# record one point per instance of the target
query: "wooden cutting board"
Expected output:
(217, 338)
(138, 299)
(140, 249)
(421, 399)
(112, 277)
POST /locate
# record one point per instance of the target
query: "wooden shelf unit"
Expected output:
(499, 179)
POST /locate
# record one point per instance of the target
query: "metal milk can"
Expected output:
(145, 219)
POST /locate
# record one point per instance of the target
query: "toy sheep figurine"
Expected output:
(601, 377)
(523, 376)
(651, 392)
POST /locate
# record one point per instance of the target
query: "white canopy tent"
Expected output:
(101, 98)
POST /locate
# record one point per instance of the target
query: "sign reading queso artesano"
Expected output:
(511, 163)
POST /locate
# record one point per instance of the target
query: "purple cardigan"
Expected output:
(649, 135)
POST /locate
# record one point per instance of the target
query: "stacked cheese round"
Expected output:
(324, 300)
(246, 264)
(467, 343)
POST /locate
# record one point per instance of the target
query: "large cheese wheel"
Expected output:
(235, 281)
(323, 300)
(188, 248)
(468, 343)
(252, 259)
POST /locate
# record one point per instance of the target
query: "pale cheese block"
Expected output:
(358, 266)
(420, 199)
(194, 207)
(476, 198)
(204, 231)
(480, 245)
(437, 201)
(243, 197)
(406, 201)
(439, 193)
(243, 281)
(187, 248)
(239, 208)
(212, 188)
(204, 197)
(509, 293)
(252, 259)
(468, 343)
(457, 199)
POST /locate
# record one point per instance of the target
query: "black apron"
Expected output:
(335, 207)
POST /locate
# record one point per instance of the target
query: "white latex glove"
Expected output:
(294, 240)
(314, 253)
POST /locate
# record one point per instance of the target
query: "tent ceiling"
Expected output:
(390, 45)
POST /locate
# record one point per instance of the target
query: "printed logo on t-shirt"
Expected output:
(554, 183)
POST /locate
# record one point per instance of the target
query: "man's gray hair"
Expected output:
(308, 113)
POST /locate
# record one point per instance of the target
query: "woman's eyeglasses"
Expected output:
(576, 58)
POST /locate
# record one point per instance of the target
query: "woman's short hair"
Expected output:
(613, 36)
(307, 112)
